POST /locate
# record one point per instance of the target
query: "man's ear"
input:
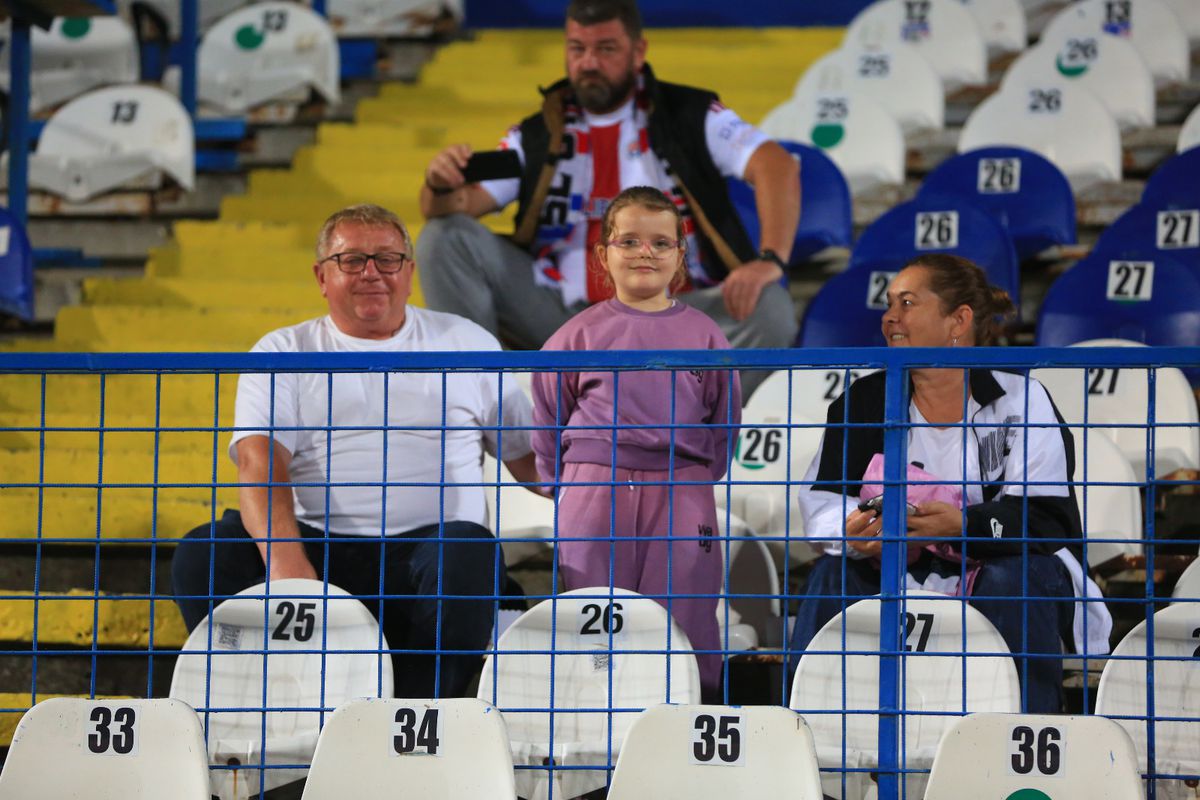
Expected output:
(639, 53)
(319, 274)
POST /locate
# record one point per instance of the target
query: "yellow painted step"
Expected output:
(74, 620)
(14, 704)
(312, 212)
(233, 263)
(119, 466)
(70, 514)
(82, 431)
(194, 233)
(400, 137)
(299, 294)
(179, 398)
(237, 330)
(392, 180)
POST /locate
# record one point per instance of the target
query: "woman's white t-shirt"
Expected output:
(339, 459)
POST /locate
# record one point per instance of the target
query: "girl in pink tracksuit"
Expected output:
(639, 514)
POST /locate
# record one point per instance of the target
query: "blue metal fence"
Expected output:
(35, 406)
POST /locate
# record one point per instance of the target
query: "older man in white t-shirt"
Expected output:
(344, 492)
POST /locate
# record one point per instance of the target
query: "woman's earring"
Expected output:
(954, 342)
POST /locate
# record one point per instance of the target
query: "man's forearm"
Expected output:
(776, 179)
(268, 517)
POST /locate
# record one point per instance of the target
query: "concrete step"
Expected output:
(87, 466)
(121, 432)
(134, 327)
(82, 618)
(70, 515)
(181, 399)
(299, 296)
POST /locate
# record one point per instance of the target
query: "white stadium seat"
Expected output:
(1107, 66)
(113, 138)
(1121, 397)
(933, 687)
(106, 750)
(77, 54)
(751, 585)
(609, 651)
(273, 51)
(945, 32)
(1048, 120)
(717, 753)
(387, 18)
(861, 137)
(897, 77)
(1002, 23)
(1188, 585)
(515, 513)
(383, 748)
(1189, 134)
(1123, 687)
(1035, 755)
(1107, 510)
(1150, 25)
(322, 647)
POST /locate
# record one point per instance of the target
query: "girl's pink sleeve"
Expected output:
(553, 403)
(726, 416)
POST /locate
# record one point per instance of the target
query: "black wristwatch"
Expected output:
(771, 255)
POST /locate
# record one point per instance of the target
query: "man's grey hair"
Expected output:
(364, 214)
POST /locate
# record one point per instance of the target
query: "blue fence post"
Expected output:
(318, 7)
(18, 120)
(895, 524)
(189, 41)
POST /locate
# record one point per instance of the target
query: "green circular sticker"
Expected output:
(248, 38)
(1069, 70)
(827, 136)
(76, 27)
(1028, 794)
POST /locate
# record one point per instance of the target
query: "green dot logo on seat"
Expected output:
(827, 136)
(76, 27)
(248, 38)
(1028, 794)
(1069, 70)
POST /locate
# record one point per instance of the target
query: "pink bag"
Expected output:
(924, 487)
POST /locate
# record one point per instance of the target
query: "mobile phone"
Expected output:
(491, 165)
(876, 504)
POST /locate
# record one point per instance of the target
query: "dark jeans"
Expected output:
(410, 567)
(1040, 632)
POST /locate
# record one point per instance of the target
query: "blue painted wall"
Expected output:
(673, 13)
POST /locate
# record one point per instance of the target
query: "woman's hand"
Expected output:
(935, 519)
(862, 532)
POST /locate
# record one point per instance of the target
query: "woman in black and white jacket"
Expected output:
(1019, 459)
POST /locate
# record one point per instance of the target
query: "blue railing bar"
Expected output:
(19, 58)
(864, 358)
(189, 37)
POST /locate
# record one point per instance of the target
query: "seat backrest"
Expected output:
(1002, 23)
(76, 54)
(1018, 187)
(1188, 585)
(380, 744)
(1145, 227)
(939, 224)
(826, 221)
(1035, 755)
(1109, 67)
(1176, 683)
(1150, 25)
(1189, 20)
(133, 120)
(848, 309)
(1144, 297)
(857, 133)
(1173, 182)
(16, 268)
(1189, 134)
(266, 52)
(1046, 119)
(945, 31)
(896, 76)
(560, 669)
(933, 686)
(106, 750)
(388, 18)
(208, 12)
(717, 752)
(1121, 397)
(1108, 494)
(303, 646)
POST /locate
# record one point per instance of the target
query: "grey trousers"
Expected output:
(468, 270)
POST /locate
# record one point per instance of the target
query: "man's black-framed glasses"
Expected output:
(352, 263)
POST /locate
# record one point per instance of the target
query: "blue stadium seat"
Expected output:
(1154, 299)
(1174, 182)
(848, 310)
(939, 224)
(1146, 228)
(16, 268)
(825, 220)
(1020, 188)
